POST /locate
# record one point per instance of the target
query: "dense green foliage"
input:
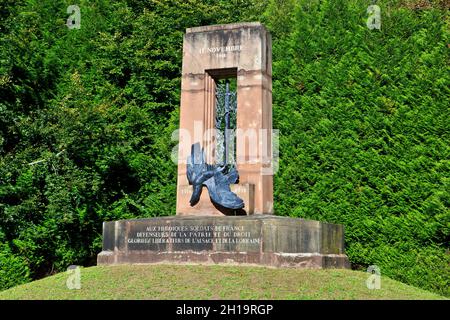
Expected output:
(14, 269)
(86, 117)
(365, 133)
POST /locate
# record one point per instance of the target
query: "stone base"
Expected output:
(256, 240)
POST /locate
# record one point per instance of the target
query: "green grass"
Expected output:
(214, 282)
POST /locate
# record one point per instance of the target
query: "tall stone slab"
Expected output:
(210, 53)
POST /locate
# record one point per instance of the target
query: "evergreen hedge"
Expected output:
(86, 118)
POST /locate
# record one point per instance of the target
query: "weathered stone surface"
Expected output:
(260, 239)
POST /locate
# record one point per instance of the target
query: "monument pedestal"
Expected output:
(257, 240)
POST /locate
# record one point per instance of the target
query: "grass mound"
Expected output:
(214, 282)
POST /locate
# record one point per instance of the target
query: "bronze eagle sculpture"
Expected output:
(216, 178)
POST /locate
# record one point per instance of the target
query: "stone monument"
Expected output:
(240, 52)
(225, 169)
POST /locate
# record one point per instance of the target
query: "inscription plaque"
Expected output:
(259, 239)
